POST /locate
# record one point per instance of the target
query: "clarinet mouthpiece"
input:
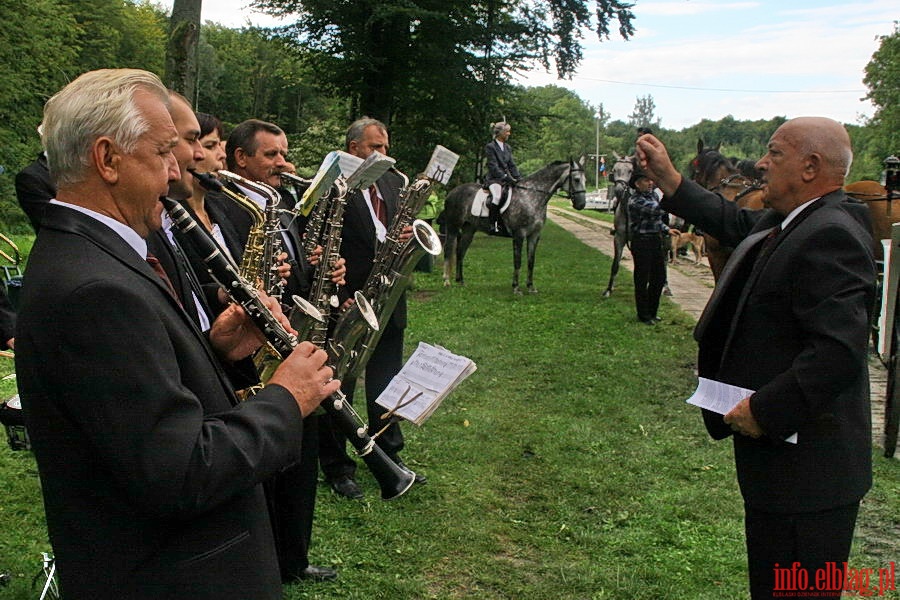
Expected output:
(208, 182)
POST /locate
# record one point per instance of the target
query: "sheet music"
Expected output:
(720, 398)
(328, 172)
(441, 165)
(429, 375)
(361, 173)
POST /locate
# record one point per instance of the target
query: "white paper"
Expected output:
(361, 173)
(431, 373)
(441, 165)
(720, 398)
(328, 172)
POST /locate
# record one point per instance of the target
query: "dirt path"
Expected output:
(691, 286)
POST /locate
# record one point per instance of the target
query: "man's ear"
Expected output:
(812, 166)
(106, 158)
(240, 157)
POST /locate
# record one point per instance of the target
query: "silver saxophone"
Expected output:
(392, 480)
(392, 271)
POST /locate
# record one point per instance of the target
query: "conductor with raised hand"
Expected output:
(789, 319)
(150, 468)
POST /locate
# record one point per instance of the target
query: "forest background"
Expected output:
(443, 73)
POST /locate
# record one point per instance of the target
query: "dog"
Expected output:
(681, 239)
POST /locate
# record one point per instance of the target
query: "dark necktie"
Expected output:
(767, 243)
(154, 264)
(378, 205)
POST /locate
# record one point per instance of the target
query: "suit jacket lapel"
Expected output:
(726, 279)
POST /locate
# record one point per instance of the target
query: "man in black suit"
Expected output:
(789, 319)
(150, 468)
(257, 151)
(367, 217)
(34, 189)
(502, 170)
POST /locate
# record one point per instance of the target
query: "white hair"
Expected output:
(97, 103)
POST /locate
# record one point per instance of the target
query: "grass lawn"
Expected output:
(567, 466)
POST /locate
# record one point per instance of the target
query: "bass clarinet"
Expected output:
(392, 480)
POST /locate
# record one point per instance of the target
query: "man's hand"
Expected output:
(314, 258)
(284, 267)
(234, 336)
(742, 421)
(654, 159)
(305, 375)
(338, 271)
(406, 234)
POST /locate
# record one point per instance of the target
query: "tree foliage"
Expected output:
(644, 113)
(49, 43)
(883, 80)
(438, 72)
(376, 54)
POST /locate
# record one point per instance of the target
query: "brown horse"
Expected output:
(715, 172)
(883, 213)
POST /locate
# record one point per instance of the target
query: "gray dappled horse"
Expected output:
(620, 175)
(524, 218)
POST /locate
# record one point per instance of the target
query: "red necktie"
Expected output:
(378, 205)
(154, 263)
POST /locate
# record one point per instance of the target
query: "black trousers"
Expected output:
(649, 256)
(291, 496)
(386, 361)
(786, 551)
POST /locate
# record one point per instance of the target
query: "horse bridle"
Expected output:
(749, 185)
(574, 167)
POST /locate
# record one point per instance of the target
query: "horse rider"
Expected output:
(502, 171)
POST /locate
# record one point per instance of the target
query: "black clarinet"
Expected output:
(393, 480)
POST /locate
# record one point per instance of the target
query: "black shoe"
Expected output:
(314, 573)
(420, 479)
(648, 321)
(345, 486)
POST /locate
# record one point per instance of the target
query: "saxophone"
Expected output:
(323, 291)
(263, 247)
(393, 480)
(260, 259)
(391, 272)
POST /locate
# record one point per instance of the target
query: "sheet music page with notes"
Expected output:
(441, 165)
(428, 377)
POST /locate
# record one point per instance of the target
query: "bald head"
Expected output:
(807, 158)
(823, 137)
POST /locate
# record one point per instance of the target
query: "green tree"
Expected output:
(32, 68)
(644, 113)
(378, 54)
(556, 125)
(883, 80)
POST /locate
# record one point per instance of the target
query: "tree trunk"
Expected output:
(181, 51)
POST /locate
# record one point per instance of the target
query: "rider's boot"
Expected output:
(494, 218)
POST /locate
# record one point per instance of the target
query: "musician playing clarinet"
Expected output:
(150, 469)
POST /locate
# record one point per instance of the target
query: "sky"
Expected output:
(707, 59)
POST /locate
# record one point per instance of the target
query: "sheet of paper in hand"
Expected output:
(720, 398)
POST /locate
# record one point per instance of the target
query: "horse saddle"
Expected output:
(479, 203)
(483, 196)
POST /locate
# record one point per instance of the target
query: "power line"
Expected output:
(707, 89)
